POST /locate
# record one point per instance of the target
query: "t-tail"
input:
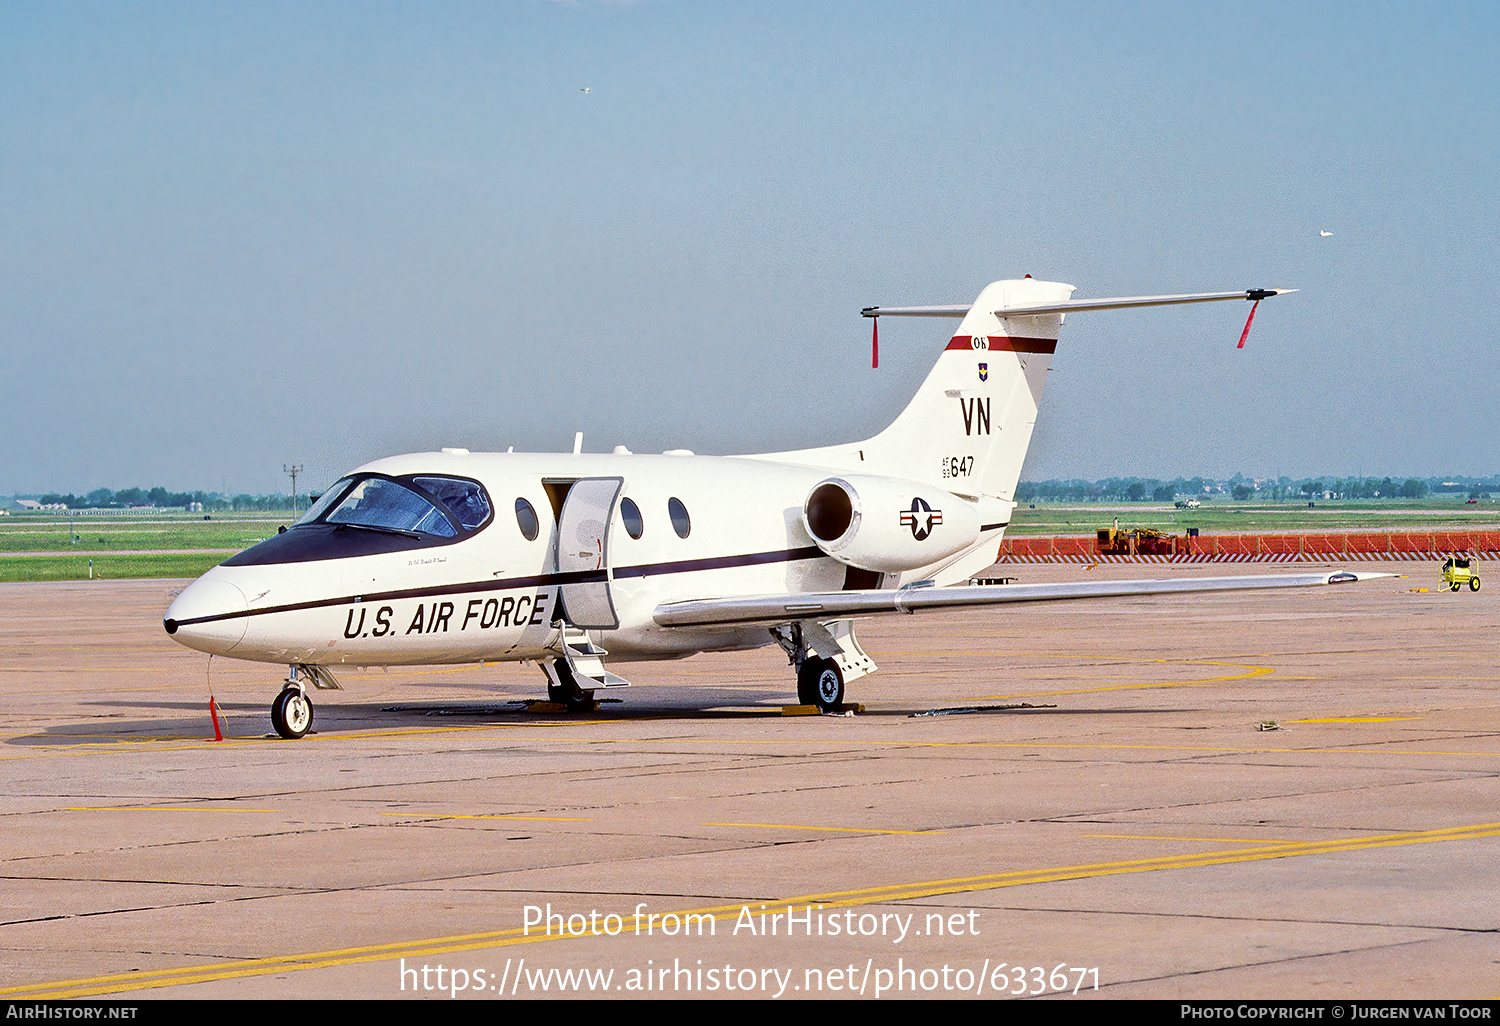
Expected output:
(968, 427)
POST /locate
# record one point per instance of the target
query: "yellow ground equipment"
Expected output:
(1456, 573)
(1135, 541)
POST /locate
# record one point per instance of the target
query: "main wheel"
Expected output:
(292, 714)
(807, 681)
(820, 683)
(1473, 584)
(569, 693)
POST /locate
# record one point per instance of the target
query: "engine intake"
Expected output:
(887, 525)
(830, 511)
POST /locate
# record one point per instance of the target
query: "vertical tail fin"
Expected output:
(968, 426)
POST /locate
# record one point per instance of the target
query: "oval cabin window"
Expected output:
(679, 514)
(526, 520)
(630, 516)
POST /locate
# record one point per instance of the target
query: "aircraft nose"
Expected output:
(209, 615)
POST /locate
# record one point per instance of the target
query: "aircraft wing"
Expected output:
(770, 610)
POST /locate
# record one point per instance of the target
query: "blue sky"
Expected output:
(234, 236)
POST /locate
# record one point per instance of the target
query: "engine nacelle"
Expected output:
(887, 525)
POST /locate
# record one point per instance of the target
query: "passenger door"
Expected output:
(583, 552)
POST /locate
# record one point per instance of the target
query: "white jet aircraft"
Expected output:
(463, 557)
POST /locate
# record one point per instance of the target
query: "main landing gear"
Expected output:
(566, 691)
(827, 657)
(820, 682)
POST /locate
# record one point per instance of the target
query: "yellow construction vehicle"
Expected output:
(1134, 541)
(1456, 574)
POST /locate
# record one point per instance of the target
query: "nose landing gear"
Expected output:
(292, 713)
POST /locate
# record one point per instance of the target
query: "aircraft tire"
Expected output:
(820, 683)
(807, 681)
(569, 694)
(292, 714)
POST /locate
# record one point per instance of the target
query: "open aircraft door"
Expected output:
(583, 550)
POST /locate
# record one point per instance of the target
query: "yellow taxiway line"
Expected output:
(186, 975)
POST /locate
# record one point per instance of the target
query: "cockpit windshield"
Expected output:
(385, 505)
(365, 514)
(388, 505)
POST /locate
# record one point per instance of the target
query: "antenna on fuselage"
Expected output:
(577, 442)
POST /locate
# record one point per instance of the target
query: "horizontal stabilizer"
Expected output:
(775, 609)
(917, 311)
(1075, 305)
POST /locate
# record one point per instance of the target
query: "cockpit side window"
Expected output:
(464, 499)
(327, 499)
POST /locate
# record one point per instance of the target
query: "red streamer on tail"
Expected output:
(1246, 333)
(874, 343)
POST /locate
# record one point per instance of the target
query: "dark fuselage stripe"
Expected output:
(686, 566)
(681, 566)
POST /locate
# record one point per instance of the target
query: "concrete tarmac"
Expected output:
(1124, 829)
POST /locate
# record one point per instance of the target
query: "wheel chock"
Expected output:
(542, 707)
(848, 708)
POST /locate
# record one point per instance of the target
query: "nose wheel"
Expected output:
(292, 713)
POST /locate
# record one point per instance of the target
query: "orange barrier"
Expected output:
(1270, 548)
